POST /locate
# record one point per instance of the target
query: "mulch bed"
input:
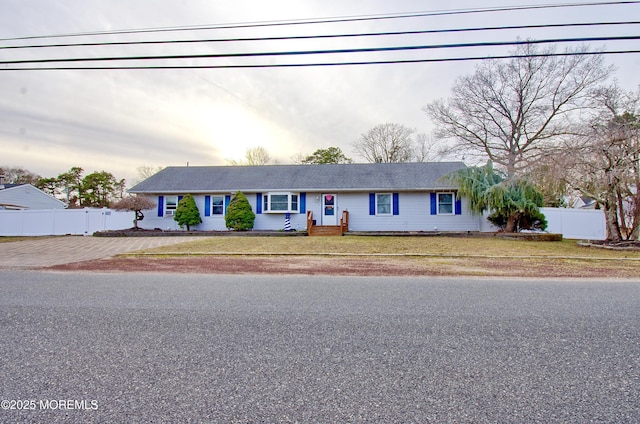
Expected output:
(158, 232)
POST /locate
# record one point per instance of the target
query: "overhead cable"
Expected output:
(330, 20)
(322, 52)
(325, 36)
(318, 64)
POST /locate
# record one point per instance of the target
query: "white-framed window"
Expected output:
(170, 205)
(281, 202)
(446, 203)
(383, 203)
(217, 205)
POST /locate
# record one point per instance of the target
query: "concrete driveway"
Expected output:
(47, 251)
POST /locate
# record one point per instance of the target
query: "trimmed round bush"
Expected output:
(239, 215)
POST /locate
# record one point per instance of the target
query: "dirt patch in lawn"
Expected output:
(364, 266)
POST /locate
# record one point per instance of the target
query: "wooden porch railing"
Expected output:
(309, 222)
(344, 222)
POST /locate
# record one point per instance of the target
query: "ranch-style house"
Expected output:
(370, 197)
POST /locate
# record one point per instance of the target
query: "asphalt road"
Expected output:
(199, 348)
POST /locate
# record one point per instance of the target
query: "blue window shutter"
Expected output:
(434, 204)
(258, 202)
(179, 199)
(372, 203)
(396, 203)
(207, 205)
(458, 206)
(160, 205)
(303, 202)
(227, 200)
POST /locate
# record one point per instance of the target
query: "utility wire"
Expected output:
(329, 20)
(318, 52)
(325, 36)
(300, 65)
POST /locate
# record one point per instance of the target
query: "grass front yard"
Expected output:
(376, 256)
(390, 245)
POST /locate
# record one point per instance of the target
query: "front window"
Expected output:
(171, 204)
(383, 204)
(217, 205)
(445, 203)
(281, 202)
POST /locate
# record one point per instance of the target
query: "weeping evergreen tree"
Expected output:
(514, 202)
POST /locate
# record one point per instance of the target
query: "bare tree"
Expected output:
(605, 163)
(253, 156)
(145, 171)
(386, 143)
(18, 175)
(511, 112)
(429, 149)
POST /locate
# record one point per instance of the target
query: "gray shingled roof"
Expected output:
(345, 177)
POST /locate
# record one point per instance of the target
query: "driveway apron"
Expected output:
(41, 252)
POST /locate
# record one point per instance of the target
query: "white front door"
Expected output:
(329, 209)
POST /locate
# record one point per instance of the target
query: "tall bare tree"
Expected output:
(605, 163)
(386, 143)
(511, 112)
(428, 149)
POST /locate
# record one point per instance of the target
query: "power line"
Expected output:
(300, 65)
(321, 52)
(329, 20)
(325, 36)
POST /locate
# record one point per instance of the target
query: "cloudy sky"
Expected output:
(119, 120)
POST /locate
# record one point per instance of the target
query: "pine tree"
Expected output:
(239, 215)
(187, 212)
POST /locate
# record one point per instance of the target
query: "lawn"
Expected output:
(390, 245)
(375, 256)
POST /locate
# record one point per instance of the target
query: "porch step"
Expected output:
(325, 230)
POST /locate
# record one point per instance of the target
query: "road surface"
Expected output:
(79, 347)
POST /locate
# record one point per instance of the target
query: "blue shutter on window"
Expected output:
(396, 203)
(179, 199)
(434, 204)
(227, 200)
(372, 203)
(458, 206)
(160, 205)
(207, 205)
(258, 202)
(303, 202)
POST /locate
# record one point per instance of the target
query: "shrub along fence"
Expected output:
(56, 222)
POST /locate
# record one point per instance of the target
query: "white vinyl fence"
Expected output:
(571, 223)
(582, 224)
(54, 222)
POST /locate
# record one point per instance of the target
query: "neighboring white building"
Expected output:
(26, 196)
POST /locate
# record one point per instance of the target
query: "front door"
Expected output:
(329, 209)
